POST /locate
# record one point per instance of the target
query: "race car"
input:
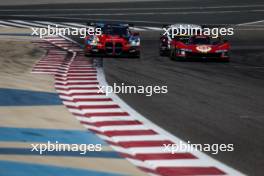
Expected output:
(115, 40)
(200, 47)
(167, 37)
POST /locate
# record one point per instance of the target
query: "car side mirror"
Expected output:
(131, 25)
(136, 33)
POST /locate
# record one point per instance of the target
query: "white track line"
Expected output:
(14, 24)
(249, 23)
(2, 25)
(153, 164)
(28, 23)
(75, 81)
(148, 13)
(53, 24)
(140, 150)
(137, 29)
(103, 119)
(155, 137)
(77, 91)
(153, 28)
(118, 127)
(76, 86)
(99, 110)
(142, 9)
(77, 25)
(44, 24)
(69, 103)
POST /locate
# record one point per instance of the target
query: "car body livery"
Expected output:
(167, 37)
(115, 40)
(200, 47)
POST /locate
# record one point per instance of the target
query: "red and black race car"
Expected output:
(167, 38)
(200, 47)
(115, 40)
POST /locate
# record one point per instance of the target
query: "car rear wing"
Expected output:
(103, 24)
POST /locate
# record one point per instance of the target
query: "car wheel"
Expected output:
(87, 54)
(225, 60)
(136, 56)
(172, 54)
(162, 53)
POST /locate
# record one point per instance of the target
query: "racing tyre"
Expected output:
(172, 55)
(88, 54)
(225, 60)
(162, 53)
(136, 56)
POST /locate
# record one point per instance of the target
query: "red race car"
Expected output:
(200, 47)
(167, 38)
(115, 40)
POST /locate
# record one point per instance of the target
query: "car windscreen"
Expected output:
(204, 40)
(200, 40)
(122, 31)
(183, 39)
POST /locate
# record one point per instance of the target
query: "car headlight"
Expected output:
(187, 50)
(221, 51)
(182, 52)
(183, 49)
(94, 41)
(135, 42)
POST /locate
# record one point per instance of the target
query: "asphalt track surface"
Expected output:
(208, 102)
(154, 13)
